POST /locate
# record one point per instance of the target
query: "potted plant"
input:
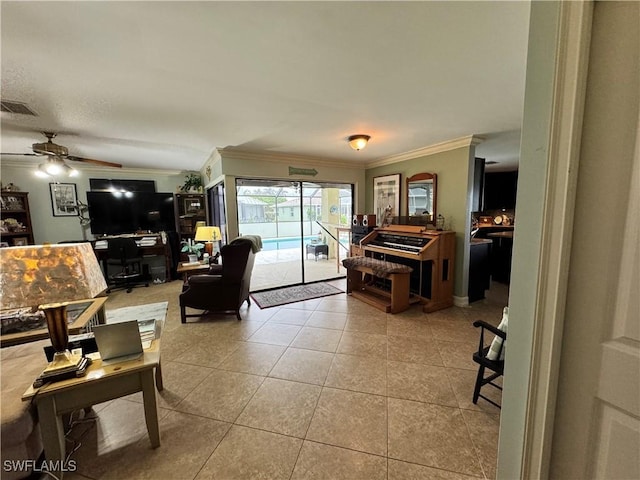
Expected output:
(192, 249)
(192, 183)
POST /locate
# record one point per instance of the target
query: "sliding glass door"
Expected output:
(303, 225)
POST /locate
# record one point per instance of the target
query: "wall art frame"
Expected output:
(64, 199)
(386, 198)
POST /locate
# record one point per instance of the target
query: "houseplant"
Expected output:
(192, 249)
(192, 183)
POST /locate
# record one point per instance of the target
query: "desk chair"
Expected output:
(125, 253)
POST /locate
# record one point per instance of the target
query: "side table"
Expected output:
(317, 249)
(100, 384)
(188, 269)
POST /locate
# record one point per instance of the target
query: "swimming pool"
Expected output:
(284, 242)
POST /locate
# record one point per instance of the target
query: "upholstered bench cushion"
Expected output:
(380, 268)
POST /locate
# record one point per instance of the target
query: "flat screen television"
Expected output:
(114, 213)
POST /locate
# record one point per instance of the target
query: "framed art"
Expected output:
(64, 199)
(386, 198)
(20, 241)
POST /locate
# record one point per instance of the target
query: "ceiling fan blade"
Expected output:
(23, 154)
(95, 162)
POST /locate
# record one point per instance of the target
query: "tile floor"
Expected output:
(327, 388)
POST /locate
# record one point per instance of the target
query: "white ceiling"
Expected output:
(162, 84)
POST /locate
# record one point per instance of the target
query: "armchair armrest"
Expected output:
(204, 279)
(495, 330)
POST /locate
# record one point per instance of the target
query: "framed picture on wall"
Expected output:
(386, 198)
(64, 199)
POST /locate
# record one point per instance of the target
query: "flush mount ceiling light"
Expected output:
(358, 142)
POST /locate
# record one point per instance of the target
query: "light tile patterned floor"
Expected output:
(328, 388)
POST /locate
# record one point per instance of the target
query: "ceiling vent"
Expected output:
(17, 107)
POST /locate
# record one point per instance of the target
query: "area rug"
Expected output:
(282, 296)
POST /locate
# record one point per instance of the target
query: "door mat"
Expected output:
(299, 293)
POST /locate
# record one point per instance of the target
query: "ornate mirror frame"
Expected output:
(418, 180)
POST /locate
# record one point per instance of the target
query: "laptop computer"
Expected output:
(118, 342)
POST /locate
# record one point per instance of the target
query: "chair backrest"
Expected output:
(237, 260)
(122, 249)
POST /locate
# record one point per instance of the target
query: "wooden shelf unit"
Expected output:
(16, 205)
(190, 208)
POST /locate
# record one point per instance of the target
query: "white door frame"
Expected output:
(555, 89)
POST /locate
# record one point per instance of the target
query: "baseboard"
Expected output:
(460, 301)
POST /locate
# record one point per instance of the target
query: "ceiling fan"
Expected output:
(57, 155)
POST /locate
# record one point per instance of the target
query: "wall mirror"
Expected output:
(422, 195)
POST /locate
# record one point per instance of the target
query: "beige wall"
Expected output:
(46, 227)
(453, 168)
(255, 166)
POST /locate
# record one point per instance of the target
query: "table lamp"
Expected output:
(208, 235)
(48, 277)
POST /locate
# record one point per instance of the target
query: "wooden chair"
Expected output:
(480, 357)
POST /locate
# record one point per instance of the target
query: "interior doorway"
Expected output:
(303, 225)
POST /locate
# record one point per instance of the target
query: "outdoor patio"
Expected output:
(275, 268)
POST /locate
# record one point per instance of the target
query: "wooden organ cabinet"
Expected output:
(430, 253)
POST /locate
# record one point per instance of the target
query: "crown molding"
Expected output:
(429, 150)
(29, 165)
(279, 157)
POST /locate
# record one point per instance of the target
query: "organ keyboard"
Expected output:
(430, 253)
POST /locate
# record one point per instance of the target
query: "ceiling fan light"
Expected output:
(52, 168)
(40, 173)
(358, 142)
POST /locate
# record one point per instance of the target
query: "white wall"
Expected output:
(532, 189)
(46, 227)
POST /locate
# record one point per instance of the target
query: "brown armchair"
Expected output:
(226, 287)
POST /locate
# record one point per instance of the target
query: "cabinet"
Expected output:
(500, 190)
(190, 208)
(15, 228)
(479, 269)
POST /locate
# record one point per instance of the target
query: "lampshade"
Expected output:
(48, 277)
(207, 234)
(34, 275)
(358, 142)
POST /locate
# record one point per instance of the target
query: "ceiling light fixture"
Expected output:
(55, 166)
(358, 142)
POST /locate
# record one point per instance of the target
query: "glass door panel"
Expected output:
(271, 209)
(327, 213)
(304, 228)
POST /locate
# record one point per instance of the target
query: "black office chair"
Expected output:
(480, 357)
(125, 253)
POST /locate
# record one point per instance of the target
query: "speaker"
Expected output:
(369, 221)
(357, 220)
(359, 232)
